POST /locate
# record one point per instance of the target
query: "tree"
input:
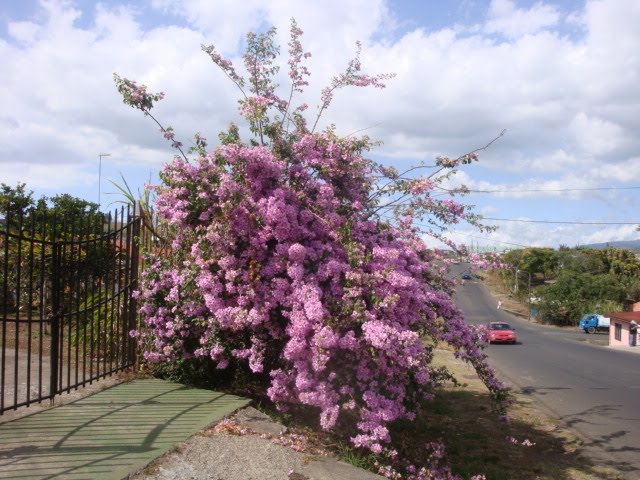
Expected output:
(619, 261)
(581, 260)
(634, 290)
(19, 203)
(534, 260)
(70, 206)
(65, 214)
(297, 258)
(574, 294)
(586, 279)
(14, 202)
(28, 261)
(522, 266)
(539, 261)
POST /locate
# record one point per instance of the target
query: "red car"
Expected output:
(501, 332)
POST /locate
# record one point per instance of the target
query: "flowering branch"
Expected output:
(136, 96)
(297, 71)
(281, 261)
(350, 77)
(226, 66)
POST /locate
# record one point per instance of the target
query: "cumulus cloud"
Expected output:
(56, 177)
(563, 83)
(506, 18)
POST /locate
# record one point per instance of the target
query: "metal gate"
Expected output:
(65, 301)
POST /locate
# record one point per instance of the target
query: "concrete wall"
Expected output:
(624, 333)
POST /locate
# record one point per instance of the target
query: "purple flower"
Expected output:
(284, 258)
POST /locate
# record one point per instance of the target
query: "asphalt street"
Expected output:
(592, 388)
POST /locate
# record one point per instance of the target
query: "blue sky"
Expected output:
(560, 76)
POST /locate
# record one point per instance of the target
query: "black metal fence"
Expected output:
(65, 301)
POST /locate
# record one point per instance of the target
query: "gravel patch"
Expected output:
(215, 454)
(227, 457)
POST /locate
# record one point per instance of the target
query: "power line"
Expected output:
(488, 239)
(546, 190)
(559, 222)
(451, 232)
(524, 221)
(562, 222)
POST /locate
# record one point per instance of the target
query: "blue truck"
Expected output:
(594, 322)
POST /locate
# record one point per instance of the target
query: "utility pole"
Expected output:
(100, 155)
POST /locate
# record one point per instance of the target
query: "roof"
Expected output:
(628, 316)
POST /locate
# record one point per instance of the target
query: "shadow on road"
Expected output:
(530, 390)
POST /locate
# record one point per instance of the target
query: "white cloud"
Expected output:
(619, 233)
(505, 18)
(328, 23)
(51, 177)
(627, 171)
(572, 187)
(568, 102)
(595, 136)
(24, 32)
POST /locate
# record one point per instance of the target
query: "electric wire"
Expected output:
(533, 190)
(493, 219)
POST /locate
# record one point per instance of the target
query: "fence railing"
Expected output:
(65, 301)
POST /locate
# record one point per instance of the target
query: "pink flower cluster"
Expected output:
(525, 443)
(435, 468)
(136, 95)
(275, 264)
(297, 71)
(281, 261)
(254, 107)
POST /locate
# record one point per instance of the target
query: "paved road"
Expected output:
(36, 376)
(594, 389)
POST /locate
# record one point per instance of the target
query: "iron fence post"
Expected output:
(55, 319)
(80, 277)
(133, 304)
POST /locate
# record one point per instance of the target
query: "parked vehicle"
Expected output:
(501, 332)
(594, 322)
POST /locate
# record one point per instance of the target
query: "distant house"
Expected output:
(619, 329)
(630, 306)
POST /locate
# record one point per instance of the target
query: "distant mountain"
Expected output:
(628, 244)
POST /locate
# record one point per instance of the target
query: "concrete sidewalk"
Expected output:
(625, 348)
(109, 434)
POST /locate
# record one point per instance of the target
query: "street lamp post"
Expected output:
(100, 155)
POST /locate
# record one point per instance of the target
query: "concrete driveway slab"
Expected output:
(109, 434)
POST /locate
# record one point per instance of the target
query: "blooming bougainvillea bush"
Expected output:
(296, 255)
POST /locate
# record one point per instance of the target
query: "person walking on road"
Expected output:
(633, 334)
(499, 304)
